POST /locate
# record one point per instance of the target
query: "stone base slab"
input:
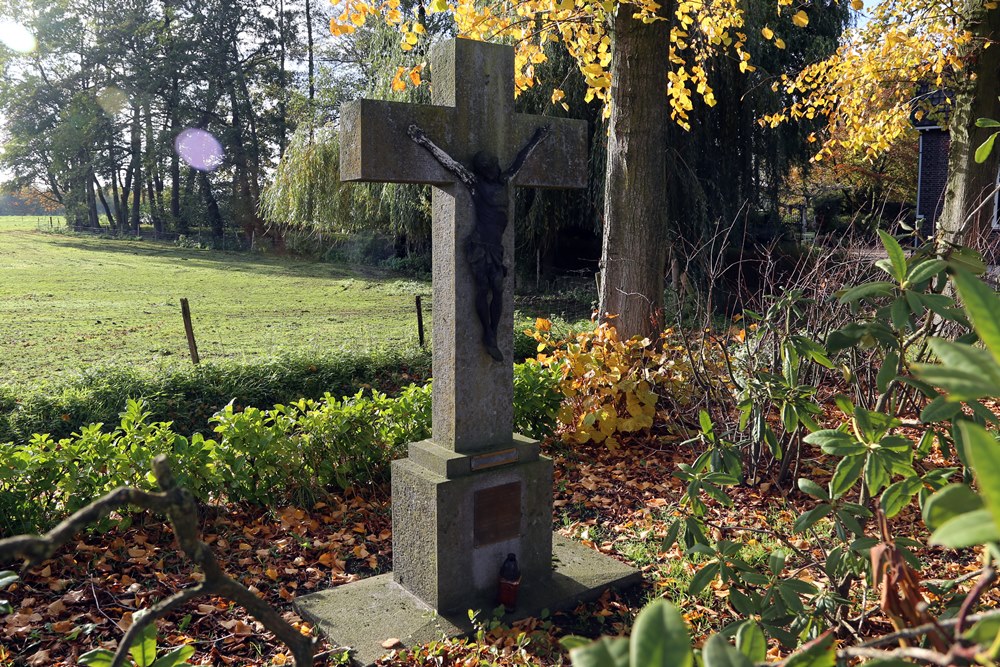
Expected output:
(362, 615)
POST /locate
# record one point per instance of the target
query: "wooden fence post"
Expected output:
(420, 321)
(189, 330)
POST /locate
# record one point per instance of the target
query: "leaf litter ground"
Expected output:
(618, 503)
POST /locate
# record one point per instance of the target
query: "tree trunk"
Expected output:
(136, 170)
(211, 206)
(634, 252)
(104, 202)
(963, 220)
(312, 65)
(119, 210)
(282, 80)
(154, 185)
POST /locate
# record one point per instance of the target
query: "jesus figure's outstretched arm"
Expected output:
(447, 161)
(518, 162)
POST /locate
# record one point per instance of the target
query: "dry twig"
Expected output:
(180, 509)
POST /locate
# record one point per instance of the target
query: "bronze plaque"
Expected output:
(493, 459)
(497, 514)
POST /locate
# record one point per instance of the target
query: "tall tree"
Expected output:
(871, 86)
(620, 36)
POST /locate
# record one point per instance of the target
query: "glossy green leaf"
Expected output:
(987, 122)
(607, 652)
(867, 290)
(570, 642)
(966, 372)
(99, 657)
(897, 257)
(983, 306)
(813, 489)
(660, 637)
(887, 372)
(925, 269)
(899, 313)
(143, 651)
(876, 474)
(776, 561)
(984, 452)
(985, 148)
(967, 259)
(818, 653)
(949, 502)
(835, 442)
(940, 409)
(177, 656)
(985, 631)
(702, 578)
(898, 495)
(966, 530)
(720, 653)
(751, 642)
(807, 520)
(847, 473)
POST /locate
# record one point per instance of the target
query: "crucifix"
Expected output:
(472, 86)
(473, 503)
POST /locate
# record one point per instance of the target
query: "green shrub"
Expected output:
(188, 396)
(291, 452)
(537, 398)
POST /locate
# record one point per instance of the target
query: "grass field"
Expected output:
(67, 302)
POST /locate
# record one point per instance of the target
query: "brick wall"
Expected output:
(934, 146)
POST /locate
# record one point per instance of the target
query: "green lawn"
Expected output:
(67, 302)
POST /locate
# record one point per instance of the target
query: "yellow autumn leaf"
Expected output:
(358, 19)
(801, 19)
(780, 43)
(415, 76)
(557, 95)
(857, 5)
(439, 6)
(767, 32)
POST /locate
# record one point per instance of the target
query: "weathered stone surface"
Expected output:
(448, 463)
(364, 614)
(473, 110)
(435, 554)
(474, 492)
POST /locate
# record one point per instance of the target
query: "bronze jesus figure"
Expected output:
(484, 248)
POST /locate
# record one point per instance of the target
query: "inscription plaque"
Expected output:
(497, 514)
(494, 459)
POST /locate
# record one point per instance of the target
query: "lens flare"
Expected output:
(16, 37)
(112, 100)
(199, 149)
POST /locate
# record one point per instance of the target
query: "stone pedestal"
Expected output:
(456, 517)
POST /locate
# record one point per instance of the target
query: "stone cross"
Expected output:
(473, 110)
(475, 492)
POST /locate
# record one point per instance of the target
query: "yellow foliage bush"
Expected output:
(614, 389)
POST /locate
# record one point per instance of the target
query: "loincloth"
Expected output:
(486, 259)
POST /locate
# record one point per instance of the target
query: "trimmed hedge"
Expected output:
(292, 452)
(188, 396)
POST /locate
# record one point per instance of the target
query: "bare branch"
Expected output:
(34, 549)
(921, 630)
(911, 653)
(181, 510)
